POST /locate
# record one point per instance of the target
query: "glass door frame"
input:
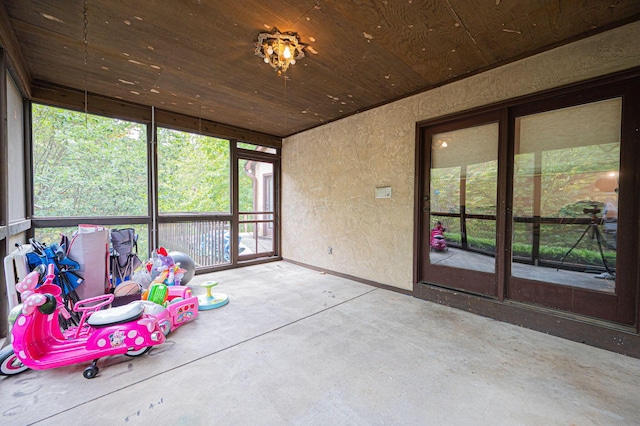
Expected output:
(238, 154)
(622, 307)
(472, 281)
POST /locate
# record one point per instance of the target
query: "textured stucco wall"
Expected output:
(330, 173)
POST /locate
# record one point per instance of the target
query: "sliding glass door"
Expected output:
(536, 202)
(459, 208)
(565, 223)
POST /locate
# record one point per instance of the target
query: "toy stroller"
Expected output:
(437, 240)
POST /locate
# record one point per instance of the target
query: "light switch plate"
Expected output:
(383, 192)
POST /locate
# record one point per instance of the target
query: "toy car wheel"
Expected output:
(9, 362)
(90, 372)
(138, 352)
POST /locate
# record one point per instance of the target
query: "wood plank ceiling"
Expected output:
(196, 57)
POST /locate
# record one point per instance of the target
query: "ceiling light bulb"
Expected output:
(279, 50)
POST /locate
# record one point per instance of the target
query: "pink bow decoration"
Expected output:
(28, 284)
(25, 294)
(32, 302)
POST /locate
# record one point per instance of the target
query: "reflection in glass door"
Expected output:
(464, 170)
(565, 199)
(539, 205)
(565, 208)
(256, 209)
(460, 227)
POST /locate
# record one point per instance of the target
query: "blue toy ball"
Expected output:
(186, 262)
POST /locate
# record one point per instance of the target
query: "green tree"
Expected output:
(193, 173)
(87, 165)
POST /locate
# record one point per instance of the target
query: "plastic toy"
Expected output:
(186, 262)
(158, 292)
(437, 240)
(211, 300)
(9, 362)
(39, 343)
(164, 269)
(181, 307)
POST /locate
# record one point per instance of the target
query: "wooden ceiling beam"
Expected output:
(64, 97)
(207, 127)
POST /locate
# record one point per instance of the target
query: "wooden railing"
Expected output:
(207, 241)
(569, 229)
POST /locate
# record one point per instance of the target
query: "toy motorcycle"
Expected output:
(9, 362)
(38, 342)
(182, 307)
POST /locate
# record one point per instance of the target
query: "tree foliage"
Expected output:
(86, 165)
(566, 179)
(193, 173)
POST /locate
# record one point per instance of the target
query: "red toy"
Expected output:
(437, 240)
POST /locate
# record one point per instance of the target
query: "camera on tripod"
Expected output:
(594, 210)
(594, 233)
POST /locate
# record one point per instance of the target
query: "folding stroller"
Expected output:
(124, 260)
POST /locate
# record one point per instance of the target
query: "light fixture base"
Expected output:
(279, 50)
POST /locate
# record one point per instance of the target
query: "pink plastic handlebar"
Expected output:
(50, 274)
(103, 300)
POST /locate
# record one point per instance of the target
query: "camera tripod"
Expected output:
(595, 235)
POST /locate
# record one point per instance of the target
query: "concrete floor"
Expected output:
(458, 258)
(296, 346)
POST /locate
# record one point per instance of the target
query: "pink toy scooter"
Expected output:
(38, 342)
(9, 362)
(182, 307)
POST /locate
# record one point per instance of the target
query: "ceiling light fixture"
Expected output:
(279, 49)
